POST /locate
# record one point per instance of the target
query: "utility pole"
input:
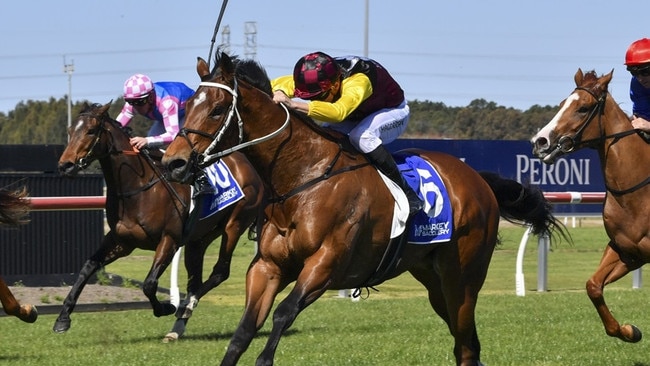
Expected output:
(365, 30)
(250, 46)
(69, 68)
(225, 39)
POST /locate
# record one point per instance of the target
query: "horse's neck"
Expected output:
(625, 160)
(124, 169)
(298, 154)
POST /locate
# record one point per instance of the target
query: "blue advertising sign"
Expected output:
(578, 172)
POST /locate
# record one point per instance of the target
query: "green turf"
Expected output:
(392, 327)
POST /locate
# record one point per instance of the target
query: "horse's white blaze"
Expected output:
(200, 98)
(546, 130)
(78, 125)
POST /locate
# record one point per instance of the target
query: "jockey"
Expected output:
(637, 60)
(161, 102)
(164, 104)
(355, 96)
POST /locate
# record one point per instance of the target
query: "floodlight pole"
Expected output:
(69, 68)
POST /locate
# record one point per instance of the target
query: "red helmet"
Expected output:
(638, 53)
(314, 74)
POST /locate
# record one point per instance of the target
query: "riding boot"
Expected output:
(201, 187)
(383, 160)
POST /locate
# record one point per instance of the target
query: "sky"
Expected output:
(516, 53)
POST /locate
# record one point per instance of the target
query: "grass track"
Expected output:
(392, 327)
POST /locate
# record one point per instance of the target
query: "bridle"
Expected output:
(567, 144)
(210, 155)
(91, 156)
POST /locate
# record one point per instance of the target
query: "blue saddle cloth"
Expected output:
(226, 188)
(434, 224)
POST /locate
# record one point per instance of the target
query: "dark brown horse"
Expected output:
(590, 118)
(328, 221)
(145, 211)
(14, 209)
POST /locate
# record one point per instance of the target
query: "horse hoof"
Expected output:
(32, 315)
(636, 334)
(170, 337)
(61, 326)
(165, 309)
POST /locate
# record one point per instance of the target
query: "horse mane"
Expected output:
(254, 74)
(93, 110)
(590, 78)
(248, 70)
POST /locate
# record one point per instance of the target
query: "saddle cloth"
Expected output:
(434, 224)
(226, 190)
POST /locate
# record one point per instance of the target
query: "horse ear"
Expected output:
(605, 79)
(226, 65)
(578, 77)
(105, 107)
(202, 68)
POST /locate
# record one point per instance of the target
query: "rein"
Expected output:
(567, 144)
(328, 174)
(208, 157)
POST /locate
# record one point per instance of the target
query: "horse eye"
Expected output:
(583, 110)
(91, 131)
(217, 111)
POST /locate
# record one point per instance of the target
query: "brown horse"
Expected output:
(14, 208)
(328, 218)
(145, 211)
(591, 118)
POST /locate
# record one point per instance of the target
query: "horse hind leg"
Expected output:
(611, 268)
(25, 312)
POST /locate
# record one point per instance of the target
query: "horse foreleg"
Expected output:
(610, 269)
(25, 312)
(262, 285)
(193, 259)
(164, 253)
(107, 253)
(312, 282)
(63, 321)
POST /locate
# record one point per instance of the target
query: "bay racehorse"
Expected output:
(14, 210)
(328, 217)
(590, 118)
(146, 211)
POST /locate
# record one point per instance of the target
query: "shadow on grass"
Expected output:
(212, 337)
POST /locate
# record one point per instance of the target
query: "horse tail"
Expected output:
(524, 205)
(14, 208)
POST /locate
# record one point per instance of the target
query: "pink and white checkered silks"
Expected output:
(137, 86)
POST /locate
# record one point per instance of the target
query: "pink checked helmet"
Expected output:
(137, 86)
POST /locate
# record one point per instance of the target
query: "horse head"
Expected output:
(572, 128)
(213, 125)
(87, 140)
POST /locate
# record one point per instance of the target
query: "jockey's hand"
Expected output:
(138, 142)
(641, 124)
(280, 97)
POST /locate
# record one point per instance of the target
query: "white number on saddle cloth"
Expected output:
(226, 187)
(430, 191)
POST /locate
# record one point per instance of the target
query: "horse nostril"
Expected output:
(541, 142)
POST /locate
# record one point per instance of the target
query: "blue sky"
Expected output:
(515, 53)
